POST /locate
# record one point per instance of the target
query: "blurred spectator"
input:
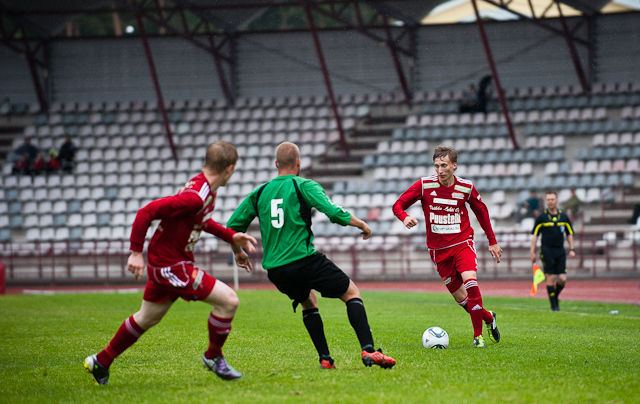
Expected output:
(67, 155)
(39, 165)
(531, 205)
(481, 105)
(21, 167)
(572, 205)
(476, 100)
(636, 214)
(53, 164)
(28, 150)
(469, 101)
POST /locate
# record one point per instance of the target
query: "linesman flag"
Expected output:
(538, 276)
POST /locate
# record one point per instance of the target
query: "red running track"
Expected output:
(617, 291)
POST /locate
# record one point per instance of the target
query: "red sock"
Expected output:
(474, 301)
(219, 329)
(486, 316)
(127, 335)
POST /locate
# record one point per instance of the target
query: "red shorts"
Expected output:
(451, 262)
(180, 280)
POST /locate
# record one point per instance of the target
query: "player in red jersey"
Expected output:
(450, 236)
(171, 271)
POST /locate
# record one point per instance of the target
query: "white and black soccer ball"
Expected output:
(435, 338)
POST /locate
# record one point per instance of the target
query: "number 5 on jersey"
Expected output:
(277, 213)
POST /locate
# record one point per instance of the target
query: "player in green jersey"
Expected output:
(283, 206)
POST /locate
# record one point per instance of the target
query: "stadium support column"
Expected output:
(35, 77)
(398, 64)
(327, 80)
(575, 57)
(28, 41)
(156, 85)
(494, 73)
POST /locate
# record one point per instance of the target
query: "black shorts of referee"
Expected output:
(554, 260)
(317, 272)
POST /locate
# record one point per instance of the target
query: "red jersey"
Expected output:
(445, 211)
(183, 218)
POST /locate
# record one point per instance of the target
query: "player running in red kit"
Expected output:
(171, 271)
(450, 236)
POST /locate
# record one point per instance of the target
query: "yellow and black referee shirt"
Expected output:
(551, 228)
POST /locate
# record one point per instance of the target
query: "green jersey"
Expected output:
(283, 206)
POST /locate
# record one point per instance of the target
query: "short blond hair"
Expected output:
(220, 155)
(287, 155)
(443, 151)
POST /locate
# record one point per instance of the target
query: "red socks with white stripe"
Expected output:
(486, 316)
(474, 306)
(127, 335)
(219, 329)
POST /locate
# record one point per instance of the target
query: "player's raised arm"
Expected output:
(316, 197)
(408, 198)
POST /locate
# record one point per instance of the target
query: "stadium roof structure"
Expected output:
(27, 26)
(49, 18)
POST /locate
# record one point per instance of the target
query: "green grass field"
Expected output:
(579, 355)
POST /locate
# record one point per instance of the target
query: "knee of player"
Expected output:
(232, 301)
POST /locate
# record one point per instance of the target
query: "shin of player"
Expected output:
(171, 270)
(444, 199)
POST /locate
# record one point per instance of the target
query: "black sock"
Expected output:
(358, 319)
(553, 298)
(559, 288)
(312, 320)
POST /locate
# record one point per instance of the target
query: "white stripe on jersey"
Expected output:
(204, 191)
(464, 181)
(429, 178)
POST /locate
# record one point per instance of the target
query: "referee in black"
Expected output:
(551, 224)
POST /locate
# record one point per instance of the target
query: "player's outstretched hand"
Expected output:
(366, 231)
(245, 241)
(496, 252)
(242, 259)
(409, 222)
(135, 265)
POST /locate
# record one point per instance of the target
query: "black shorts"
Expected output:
(554, 260)
(317, 272)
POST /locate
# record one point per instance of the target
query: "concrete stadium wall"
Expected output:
(449, 56)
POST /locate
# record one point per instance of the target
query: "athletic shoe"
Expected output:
(377, 358)
(221, 368)
(327, 364)
(494, 334)
(100, 373)
(478, 342)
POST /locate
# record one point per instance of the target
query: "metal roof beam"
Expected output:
(536, 20)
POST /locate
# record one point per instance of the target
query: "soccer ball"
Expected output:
(435, 338)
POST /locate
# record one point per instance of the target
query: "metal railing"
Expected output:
(388, 258)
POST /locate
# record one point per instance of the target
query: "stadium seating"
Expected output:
(124, 160)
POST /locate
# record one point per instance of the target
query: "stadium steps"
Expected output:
(362, 140)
